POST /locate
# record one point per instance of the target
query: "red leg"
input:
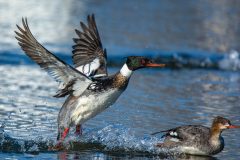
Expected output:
(78, 130)
(65, 133)
(59, 145)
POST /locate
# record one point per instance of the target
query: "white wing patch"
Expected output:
(61, 85)
(173, 133)
(93, 86)
(79, 87)
(89, 68)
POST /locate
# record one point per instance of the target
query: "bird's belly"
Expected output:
(192, 150)
(90, 106)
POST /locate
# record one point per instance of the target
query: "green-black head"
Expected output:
(137, 62)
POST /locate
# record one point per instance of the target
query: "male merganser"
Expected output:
(89, 88)
(197, 139)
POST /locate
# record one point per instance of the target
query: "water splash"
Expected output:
(117, 138)
(112, 138)
(230, 61)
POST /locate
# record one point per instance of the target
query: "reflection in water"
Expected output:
(118, 155)
(191, 157)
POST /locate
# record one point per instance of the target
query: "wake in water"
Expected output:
(112, 138)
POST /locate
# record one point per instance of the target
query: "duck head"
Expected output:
(222, 123)
(137, 62)
(219, 124)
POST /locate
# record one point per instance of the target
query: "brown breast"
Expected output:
(119, 81)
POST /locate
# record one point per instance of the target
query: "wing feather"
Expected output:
(88, 50)
(59, 70)
(187, 132)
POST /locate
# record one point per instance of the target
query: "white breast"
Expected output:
(90, 106)
(192, 150)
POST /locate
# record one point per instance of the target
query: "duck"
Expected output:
(87, 85)
(197, 139)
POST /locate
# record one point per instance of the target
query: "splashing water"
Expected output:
(112, 138)
(27, 111)
(230, 61)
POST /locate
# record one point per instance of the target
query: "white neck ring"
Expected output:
(125, 71)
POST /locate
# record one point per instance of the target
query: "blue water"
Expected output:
(198, 41)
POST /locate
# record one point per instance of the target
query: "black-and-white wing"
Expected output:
(188, 132)
(71, 80)
(89, 57)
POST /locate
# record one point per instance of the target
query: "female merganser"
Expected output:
(89, 88)
(197, 139)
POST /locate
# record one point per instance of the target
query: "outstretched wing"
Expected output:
(70, 79)
(89, 57)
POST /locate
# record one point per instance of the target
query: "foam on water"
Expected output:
(231, 61)
(110, 138)
(29, 113)
(120, 137)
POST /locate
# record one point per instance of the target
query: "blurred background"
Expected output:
(198, 40)
(169, 29)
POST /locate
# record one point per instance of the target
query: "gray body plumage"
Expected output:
(193, 139)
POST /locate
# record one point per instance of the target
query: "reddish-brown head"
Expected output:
(223, 123)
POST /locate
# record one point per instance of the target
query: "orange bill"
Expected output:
(233, 126)
(154, 65)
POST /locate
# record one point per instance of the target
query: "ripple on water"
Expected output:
(171, 98)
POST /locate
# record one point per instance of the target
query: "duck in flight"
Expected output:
(197, 139)
(88, 87)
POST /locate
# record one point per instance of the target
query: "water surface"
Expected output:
(155, 100)
(199, 41)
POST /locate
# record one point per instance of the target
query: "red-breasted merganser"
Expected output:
(89, 88)
(197, 139)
